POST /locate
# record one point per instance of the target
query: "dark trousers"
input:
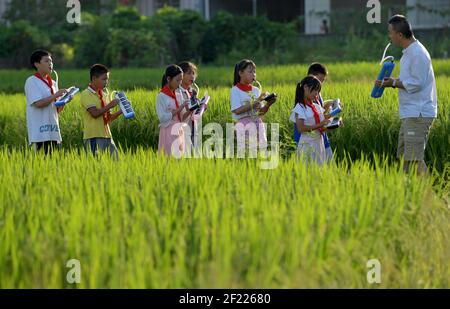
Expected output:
(47, 147)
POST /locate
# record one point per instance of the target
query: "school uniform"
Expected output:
(96, 132)
(242, 95)
(328, 150)
(42, 122)
(171, 128)
(311, 144)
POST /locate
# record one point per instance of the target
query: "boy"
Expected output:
(42, 115)
(319, 71)
(96, 106)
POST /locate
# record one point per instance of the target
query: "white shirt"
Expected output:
(164, 106)
(42, 122)
(240, 98)
(419, 98)
(306, 113)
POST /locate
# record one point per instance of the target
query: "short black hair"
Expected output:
(37, 55)
(402, 25)
(98, 69)
(317, 68)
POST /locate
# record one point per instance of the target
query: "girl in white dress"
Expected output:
(310, 120)
(171, 112)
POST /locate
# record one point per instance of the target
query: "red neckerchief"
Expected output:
(166, 90)
(106, 115)
(48, 81)
(314, 109)
(244, 87)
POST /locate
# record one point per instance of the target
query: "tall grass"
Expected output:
(151, 222)
(12, 81)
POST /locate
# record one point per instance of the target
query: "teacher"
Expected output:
(416, 94)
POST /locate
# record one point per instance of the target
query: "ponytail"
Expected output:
(309, 81)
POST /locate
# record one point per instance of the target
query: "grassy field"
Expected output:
(150, 222)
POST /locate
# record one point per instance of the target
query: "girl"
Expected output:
(245, 103)
(320, 71)
(169, 109)
(186, 92)
(310, 120)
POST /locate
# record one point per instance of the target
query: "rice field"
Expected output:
(146, 221)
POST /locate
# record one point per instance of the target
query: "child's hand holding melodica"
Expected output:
(270, 99)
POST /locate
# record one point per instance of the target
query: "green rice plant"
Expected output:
(146, 221)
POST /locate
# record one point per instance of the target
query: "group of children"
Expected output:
(309, 114)
(177, 127)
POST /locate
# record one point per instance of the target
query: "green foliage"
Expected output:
(132, 48)
(186, 32)
(129, 43)
(126, 18)
(18, 40)
(91, 40)
(122, 37)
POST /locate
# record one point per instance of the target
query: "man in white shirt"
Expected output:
(42, 115)
(417, 94)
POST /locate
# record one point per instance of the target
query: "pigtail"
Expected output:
(299, 93)
(164, 80)
(309, 81)
(237, 78)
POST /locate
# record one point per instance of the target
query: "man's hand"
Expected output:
(386, 82)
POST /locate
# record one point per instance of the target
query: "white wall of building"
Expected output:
(312, 20)
(191, 5)
(421, 19)
(146, 7)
